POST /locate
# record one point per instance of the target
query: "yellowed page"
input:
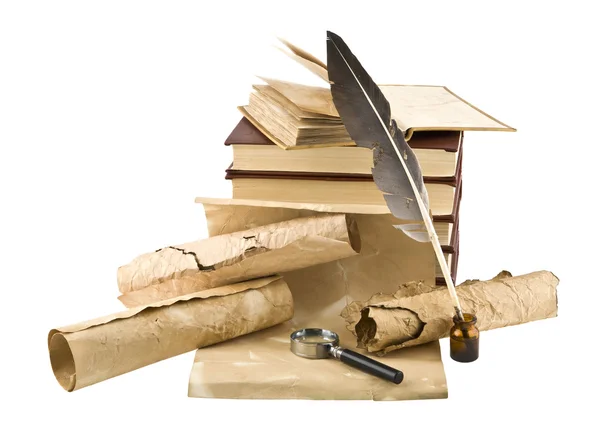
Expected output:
(414, 107)
(307, 98)
(304, 116)
(255, 122)
(441, 196)
(284, 207)
(348, 160)
(433, 107)
(305, 59)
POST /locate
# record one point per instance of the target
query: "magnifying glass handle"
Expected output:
(367, 365)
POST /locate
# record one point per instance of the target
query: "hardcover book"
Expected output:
(438, 154)
(293, 115)
(310, 187)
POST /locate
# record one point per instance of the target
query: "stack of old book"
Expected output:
(292, 146)
(337, 174)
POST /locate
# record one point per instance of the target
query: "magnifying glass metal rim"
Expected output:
(330, 348)
(313, 350)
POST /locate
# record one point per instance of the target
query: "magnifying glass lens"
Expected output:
(315, 339)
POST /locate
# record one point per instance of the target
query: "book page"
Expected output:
(302, 53)
(305, 59)
(414, 107)
(432, 107)
(266, 92)
(308, 98)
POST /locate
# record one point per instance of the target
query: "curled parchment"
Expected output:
(261, 365)
(229, 258)
(93, 351)
(418, 313)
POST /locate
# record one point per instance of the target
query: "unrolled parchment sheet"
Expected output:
(261, 365)
(93, 351)
(418, 313)
(249, 253)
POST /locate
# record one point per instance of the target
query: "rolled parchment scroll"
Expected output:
(230, 258)
(96, 350)
(417, 313)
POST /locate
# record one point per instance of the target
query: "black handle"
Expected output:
(371, 366)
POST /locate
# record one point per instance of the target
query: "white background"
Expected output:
(112, 119)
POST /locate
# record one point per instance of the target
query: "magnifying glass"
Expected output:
(318, 343)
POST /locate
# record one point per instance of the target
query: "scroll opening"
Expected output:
(62, 361)
(366, 328)
(400, 326)
(353, 233)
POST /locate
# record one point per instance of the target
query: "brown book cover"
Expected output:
(454, 263)
(246, 133)
(453, 246)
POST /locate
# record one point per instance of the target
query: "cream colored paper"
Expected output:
(268, 96)
(311, 99)
(261, 365)
(414, 107)
(418, 313)
(305, 59)
(441, 196)
(250, 253)
(434, 107)
(279, 208)
(93, 351)
(244, 110)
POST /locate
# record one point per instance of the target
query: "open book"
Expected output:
(301, 116)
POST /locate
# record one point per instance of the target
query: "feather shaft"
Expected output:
(344, 102)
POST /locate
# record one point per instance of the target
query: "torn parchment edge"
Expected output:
(206, 294)
(366, 332)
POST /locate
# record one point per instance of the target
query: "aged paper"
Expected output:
(387, 258)
(305, 59)
(261, 365)
(312, 99)
(434, 107)
(418, 313)
(93, 351)
(414, 107)
(229, 258)
(245, 110)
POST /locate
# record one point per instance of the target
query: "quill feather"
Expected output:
(366, 113)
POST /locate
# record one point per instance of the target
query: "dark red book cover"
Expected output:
(247, 134)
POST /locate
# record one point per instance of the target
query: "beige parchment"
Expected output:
(93, 351)
(418, 313)
(261, 365)
(312, 99)
(249, 253)
(305, 59)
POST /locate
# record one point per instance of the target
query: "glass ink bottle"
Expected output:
(464, 339)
